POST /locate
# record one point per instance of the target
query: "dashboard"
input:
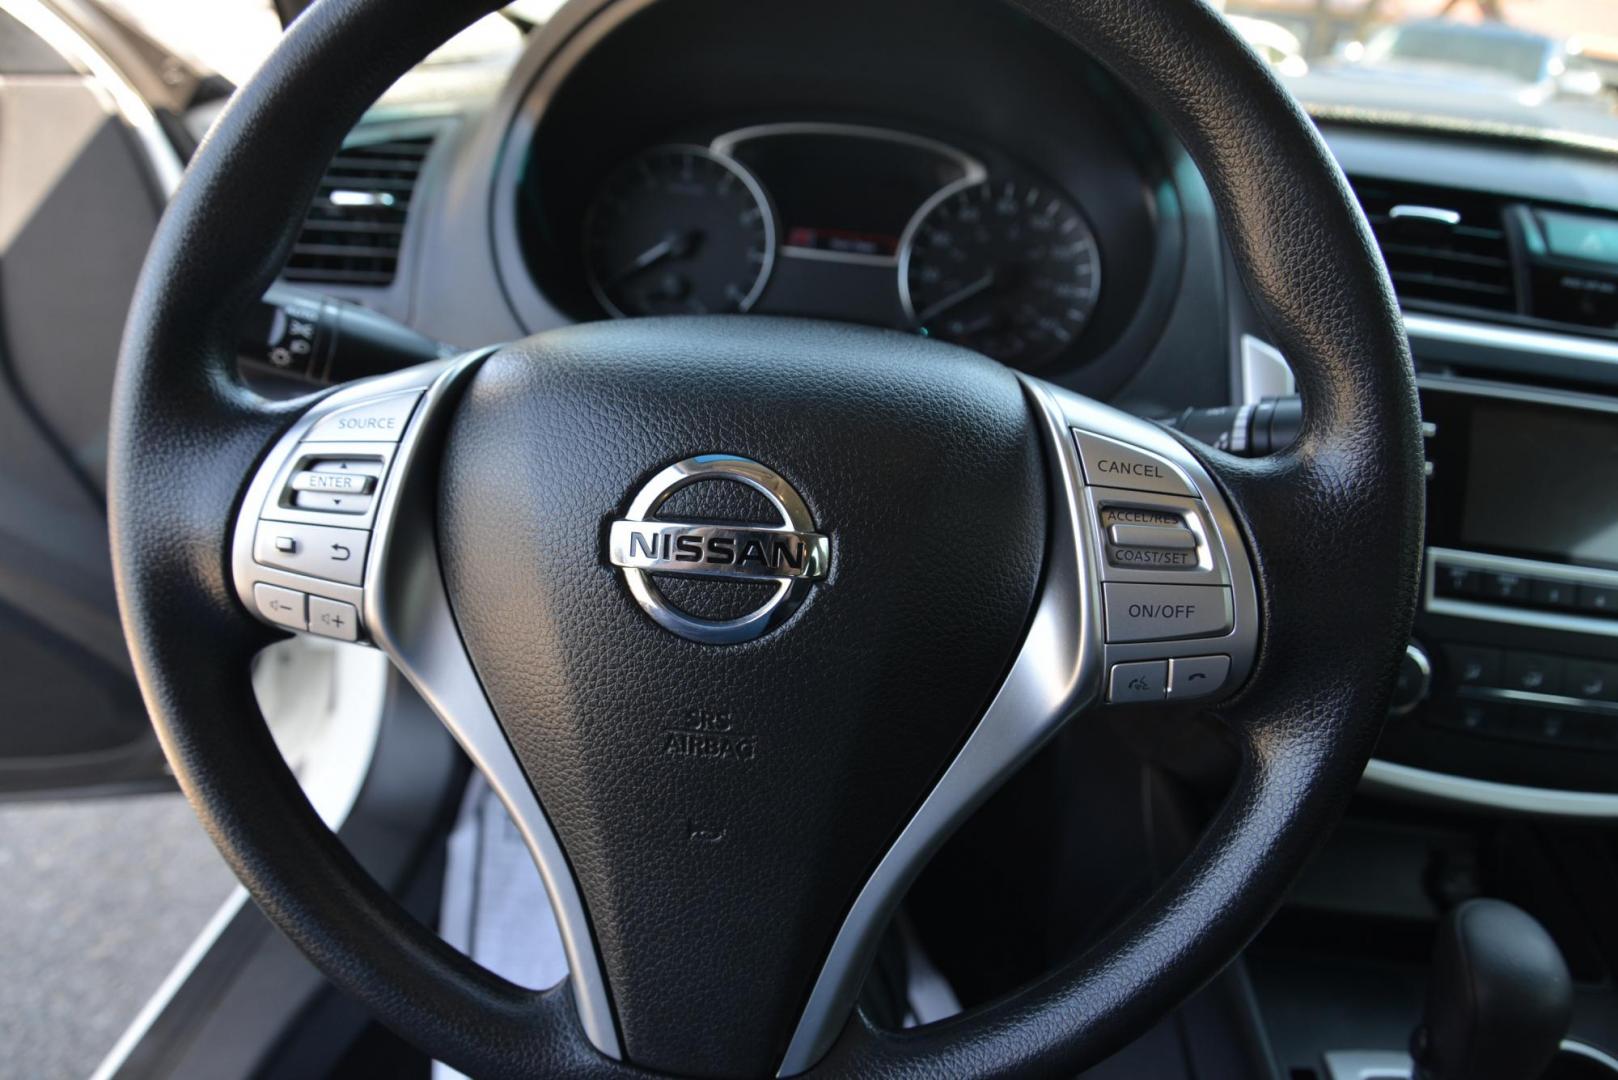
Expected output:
(865, 164)
(957, 171)
(849, 222)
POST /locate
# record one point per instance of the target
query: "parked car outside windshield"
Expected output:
(1533, 67)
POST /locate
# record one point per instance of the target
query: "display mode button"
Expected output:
(1166, 612)
(1108, 463)
(317, 550)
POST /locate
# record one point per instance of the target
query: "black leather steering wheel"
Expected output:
(725, 822)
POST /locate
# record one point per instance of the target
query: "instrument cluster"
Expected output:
(851, 222)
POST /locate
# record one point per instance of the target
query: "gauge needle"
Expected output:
(959, 296)
(672, 245)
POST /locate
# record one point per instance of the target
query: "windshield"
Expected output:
(1520, 57)
(1537, 68)
(1521, 67)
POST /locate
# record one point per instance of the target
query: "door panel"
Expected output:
(77, 208)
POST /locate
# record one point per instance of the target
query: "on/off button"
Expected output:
(1166, 612)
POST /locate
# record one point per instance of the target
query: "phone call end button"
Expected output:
(1197, 676)
(1166, 612)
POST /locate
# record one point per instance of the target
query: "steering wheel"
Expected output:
(742, 616)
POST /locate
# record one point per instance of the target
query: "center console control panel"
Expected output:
(1519, 595)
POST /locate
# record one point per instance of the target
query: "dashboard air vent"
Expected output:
(1442, 246)
(354, 227)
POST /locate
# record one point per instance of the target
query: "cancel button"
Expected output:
(1164, 612)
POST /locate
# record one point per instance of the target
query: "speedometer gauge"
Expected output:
(1006, 267)
(679, 231)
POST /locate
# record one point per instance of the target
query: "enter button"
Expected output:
(1166, 612)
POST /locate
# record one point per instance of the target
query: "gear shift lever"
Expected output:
(1499, 1001)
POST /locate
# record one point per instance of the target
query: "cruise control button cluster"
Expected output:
(1164, 579)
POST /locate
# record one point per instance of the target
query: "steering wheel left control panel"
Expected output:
(304, 535)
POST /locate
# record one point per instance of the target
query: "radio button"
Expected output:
(1599, 599)
(1166, 612)
(1477, 718)
(1534, 672)
(1452, 580)
(1473, 665)
(1554, 594)
(1545, 725)
(1503, 588)
(1590, 679)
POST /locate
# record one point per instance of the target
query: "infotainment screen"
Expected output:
(1543, 482)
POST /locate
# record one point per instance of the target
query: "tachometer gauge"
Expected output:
(1007, 267)
(678, 230)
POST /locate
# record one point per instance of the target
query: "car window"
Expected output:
(1544, 67)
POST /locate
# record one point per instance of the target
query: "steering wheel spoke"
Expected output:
(335, 538)
(1148, 598)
